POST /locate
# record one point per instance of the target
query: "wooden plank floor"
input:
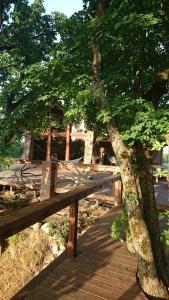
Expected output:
(103, 269)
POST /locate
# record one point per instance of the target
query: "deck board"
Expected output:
(103, 269)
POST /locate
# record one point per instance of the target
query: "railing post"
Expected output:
(49, 178)
(72, 235)
(117, 192)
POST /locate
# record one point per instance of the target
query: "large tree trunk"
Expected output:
(143, 218)
(167, 140)
(138, 192)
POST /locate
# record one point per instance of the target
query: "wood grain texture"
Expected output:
(72, 235)
(105, 270)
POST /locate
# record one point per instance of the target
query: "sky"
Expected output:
(66, 6)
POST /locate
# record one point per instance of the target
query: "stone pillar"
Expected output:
(28, 152)
(49, 178)
(88, 152)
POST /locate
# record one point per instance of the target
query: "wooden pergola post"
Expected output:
(117, 193)
(68, 142)
(49, 144)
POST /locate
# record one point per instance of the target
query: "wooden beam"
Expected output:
(12, 222)
(162, 207)
(11, 183)
(72, 236)
(68, 142)
(57, 134)
(78, 134)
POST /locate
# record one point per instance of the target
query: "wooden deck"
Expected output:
(103, 269)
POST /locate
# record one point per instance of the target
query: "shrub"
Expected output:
(59, 229)
(120, 226)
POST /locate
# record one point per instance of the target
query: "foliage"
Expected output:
(165, 233)
(165, 158)
(120, 226)
(59, 229)
(27, 38)
(159, 172)
(133, 199)
(58, 76)
(5, 164)
(13, 203)
(13, 150)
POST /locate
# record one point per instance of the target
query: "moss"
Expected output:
(141, 239)
(17, 238)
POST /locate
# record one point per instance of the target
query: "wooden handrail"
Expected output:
(12, 222)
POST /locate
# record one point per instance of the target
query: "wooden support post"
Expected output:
(49, 144)
(117, 193)
(49, 178)
(68, 142)
(72, 235)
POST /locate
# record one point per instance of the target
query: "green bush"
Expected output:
(120, 226)
(13, 150)
(59, 229)
(13, 203)
(165, 232)
(5, 163)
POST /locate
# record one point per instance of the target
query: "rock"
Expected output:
(62, 247)
(36, 226)
(45, 228)
(55, 249)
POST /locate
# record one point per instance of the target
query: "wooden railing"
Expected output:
(12, 222)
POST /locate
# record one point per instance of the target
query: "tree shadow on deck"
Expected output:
(102, 269)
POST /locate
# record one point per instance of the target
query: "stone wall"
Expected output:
(88, 151)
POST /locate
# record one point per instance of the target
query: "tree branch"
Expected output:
(158, 89)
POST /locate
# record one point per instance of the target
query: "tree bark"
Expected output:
(167, 141)
(143, 218)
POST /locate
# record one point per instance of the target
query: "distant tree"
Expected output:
(28, 98)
